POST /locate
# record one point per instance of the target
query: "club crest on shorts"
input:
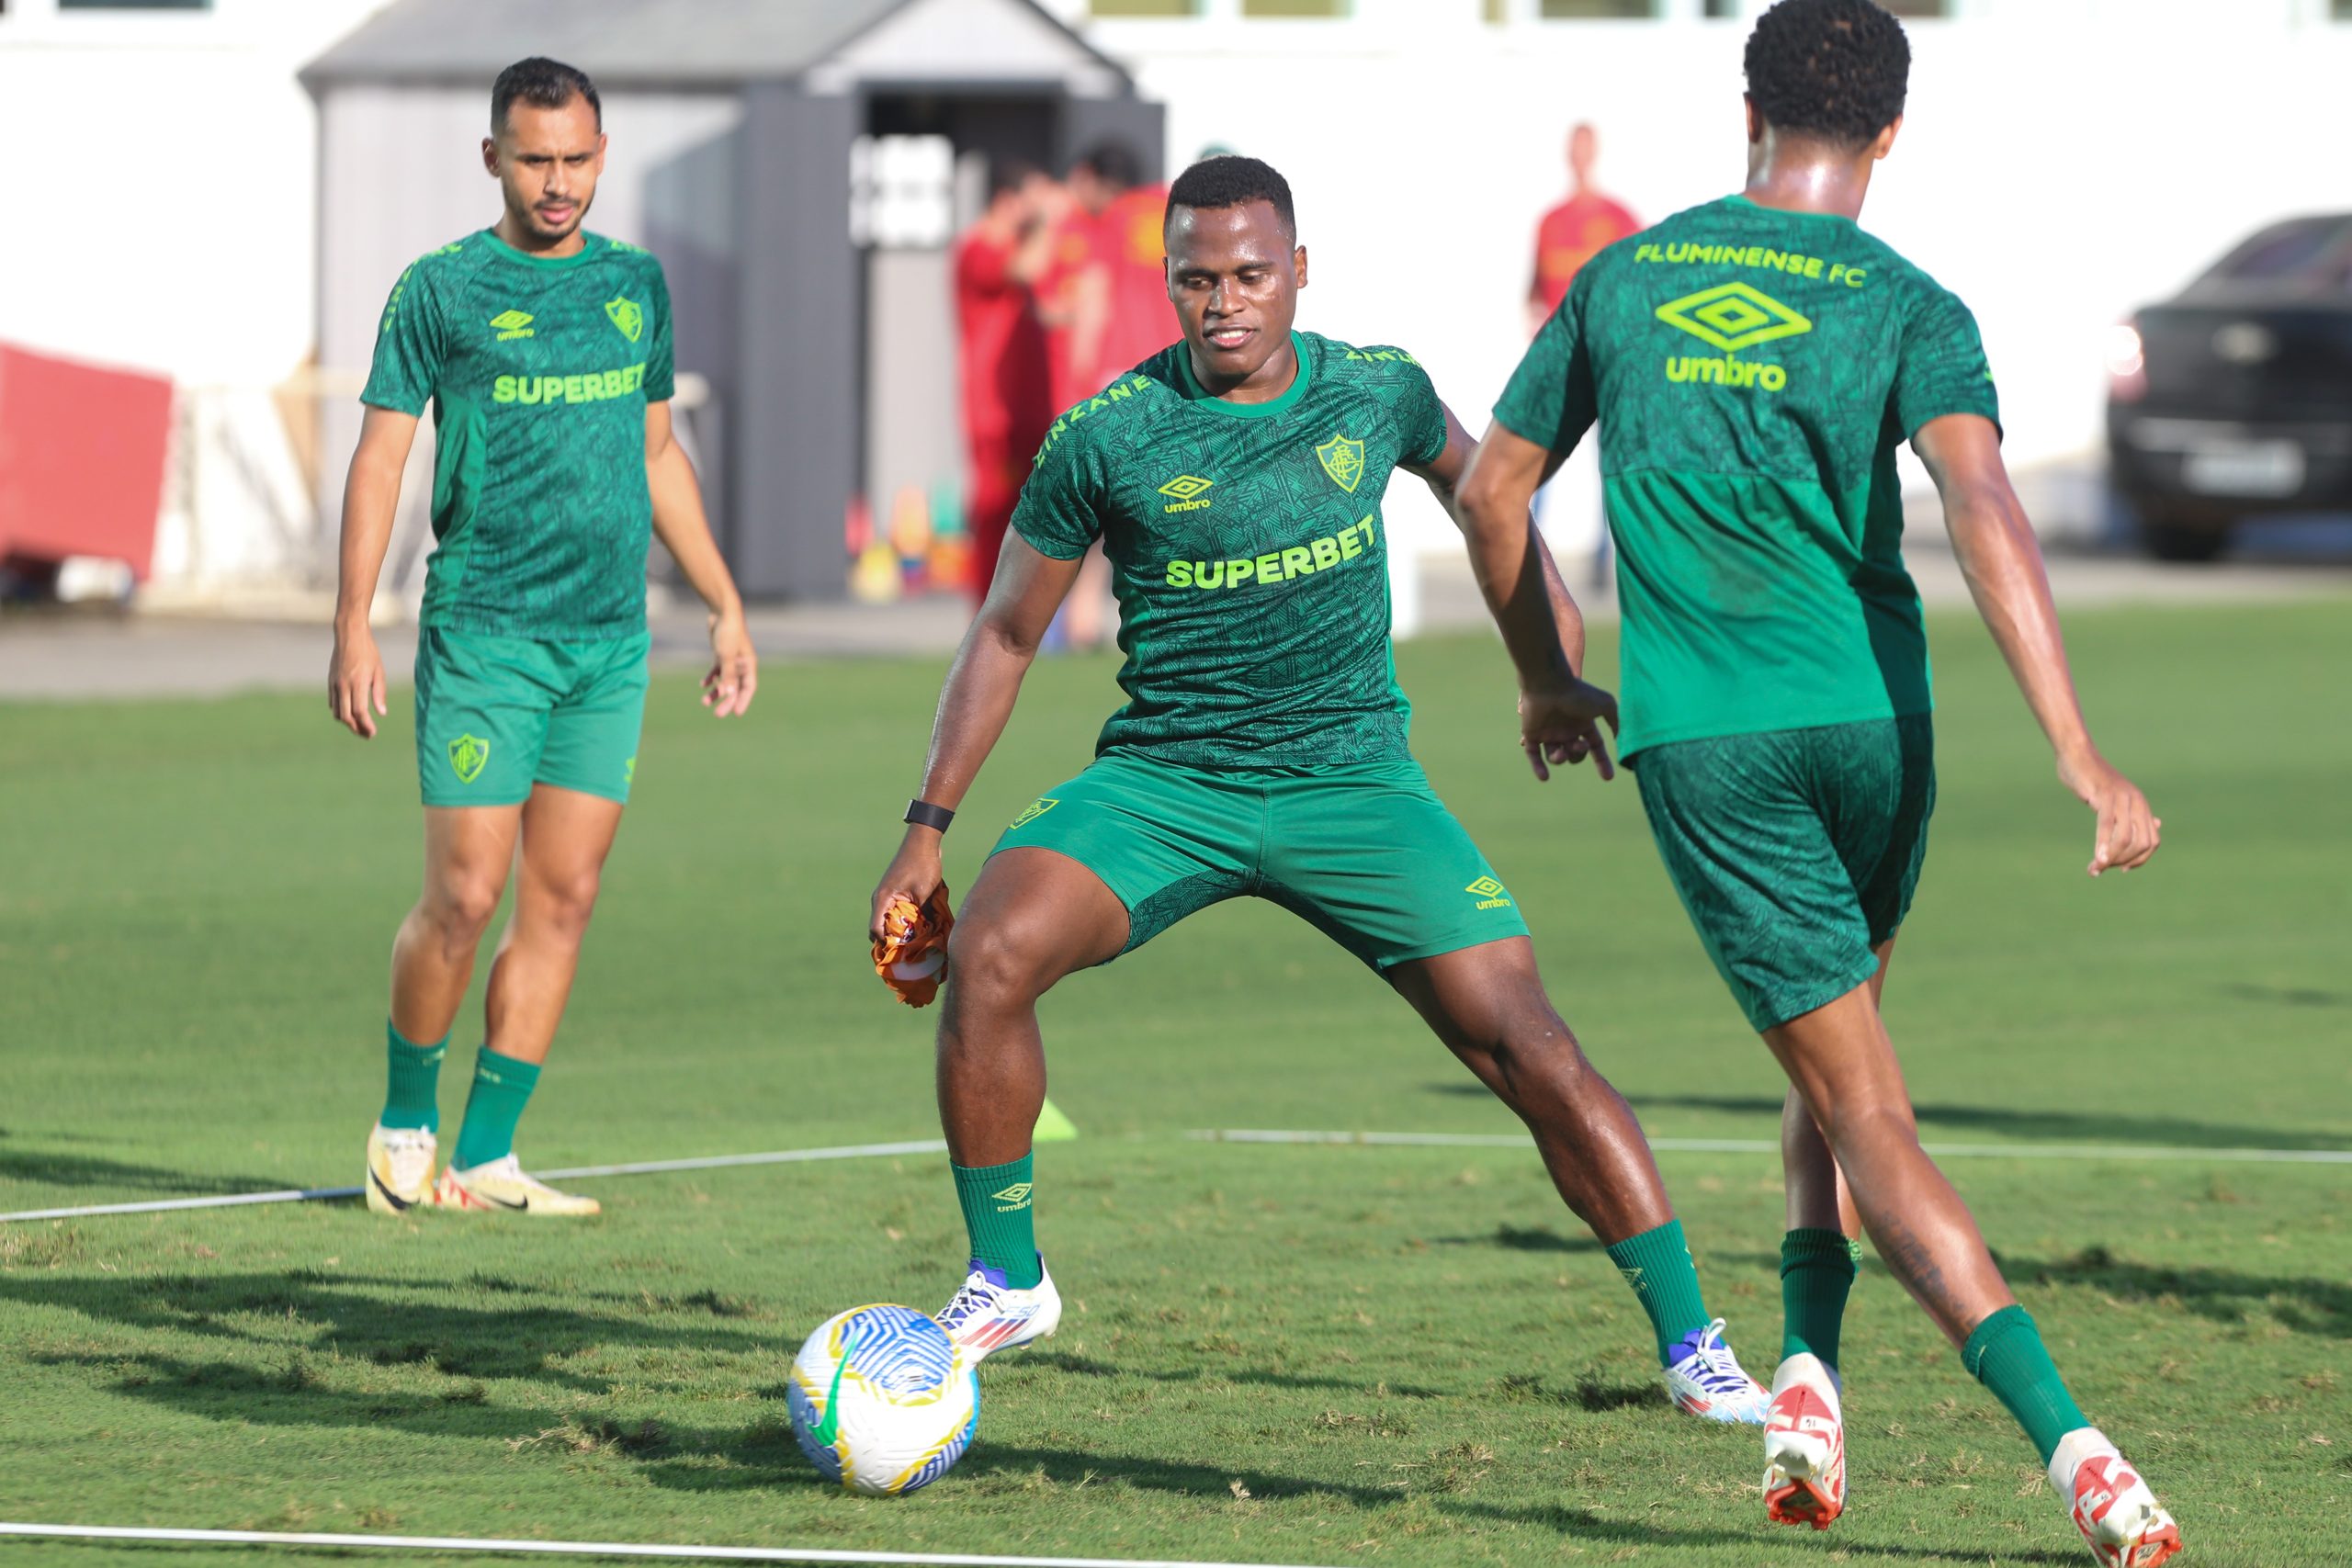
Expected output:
(1038, 809)
(1344, 460)
(628, 315)
(469, 754)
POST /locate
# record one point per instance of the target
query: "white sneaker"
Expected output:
(2120, 1518)
(988, 1314)
(1804, 1445)
(503, 1187)
(1707, 1380)
(399, 1167)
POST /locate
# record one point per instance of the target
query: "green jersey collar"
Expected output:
(1201, 398)
(589, 245)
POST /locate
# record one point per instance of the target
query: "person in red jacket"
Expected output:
(1007, 402)
(1576, 231)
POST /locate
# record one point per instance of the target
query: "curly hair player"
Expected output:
(1753, 365)
(1235, 480)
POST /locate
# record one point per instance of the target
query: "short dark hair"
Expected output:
(1008, 174)
(1836, 70)
(1233, 181)
(1114, 162)
(543, 83)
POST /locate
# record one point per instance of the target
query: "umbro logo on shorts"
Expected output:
(1490, 893)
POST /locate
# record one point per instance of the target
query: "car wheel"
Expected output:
(2185, 542)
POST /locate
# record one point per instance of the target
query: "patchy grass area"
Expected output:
(1292, 1354)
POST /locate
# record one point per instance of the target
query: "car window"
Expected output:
(2290, 251)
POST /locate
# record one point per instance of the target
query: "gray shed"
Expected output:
(736, 126)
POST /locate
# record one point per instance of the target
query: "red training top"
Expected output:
(1002, 349)
(1572, 235)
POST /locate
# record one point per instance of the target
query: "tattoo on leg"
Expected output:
(1913, 1263)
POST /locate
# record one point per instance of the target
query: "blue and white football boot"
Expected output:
(1706, 1380)
(988, 1314)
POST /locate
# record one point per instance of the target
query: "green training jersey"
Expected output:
(1753, 372)
(1246, 551)
(538, 369)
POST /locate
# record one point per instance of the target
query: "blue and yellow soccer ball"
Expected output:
(882, 1401)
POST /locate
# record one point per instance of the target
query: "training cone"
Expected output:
(1053, 1127)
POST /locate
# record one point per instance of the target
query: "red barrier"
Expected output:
(81, 459)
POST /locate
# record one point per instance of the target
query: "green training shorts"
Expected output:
(496, 715)
(1368, 854)
(1795, 850)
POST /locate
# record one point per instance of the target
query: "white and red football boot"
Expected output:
(1804, 1445)
(2119, 1517)
(989, 1313)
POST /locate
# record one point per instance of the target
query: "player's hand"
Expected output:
(355, 682)
(1561, 723)
(2129, 831)
(734, 669)
(913, 874)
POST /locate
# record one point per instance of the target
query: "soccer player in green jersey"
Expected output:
(545, 351)
(1753, 365)
(1235, 480)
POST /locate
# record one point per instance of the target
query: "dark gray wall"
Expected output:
(797, 451)
(1142, 125)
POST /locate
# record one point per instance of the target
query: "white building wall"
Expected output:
(2062, 161)
(158, 184)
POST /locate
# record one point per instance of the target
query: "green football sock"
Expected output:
(502, 1087)
(2006, 1355)
(1657, 1265)
(997, 1216)
(1816, 1273)
(412, 1086)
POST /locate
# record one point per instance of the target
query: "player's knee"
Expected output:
(990, 963)
(565, 903)
(1865, 1122)
(460, 904)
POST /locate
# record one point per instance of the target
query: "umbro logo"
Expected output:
(1734, 316)
(511, 324)
(1186, 493)
(1490, 893)
(1013, 1197)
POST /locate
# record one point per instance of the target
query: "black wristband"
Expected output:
(923, 814)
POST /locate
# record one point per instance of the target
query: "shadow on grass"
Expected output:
(1523, 1238)
(2305, 1304)
(397, 1323)
(2055, 1126)
(90, 1170)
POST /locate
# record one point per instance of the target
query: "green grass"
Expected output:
(1303, 1355)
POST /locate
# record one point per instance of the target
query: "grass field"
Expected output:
(1302, 1355)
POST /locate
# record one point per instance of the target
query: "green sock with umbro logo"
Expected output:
(997, 1216)
(502, 1087)
(2006, 1355)
(1657, 1264)
(412, 1081)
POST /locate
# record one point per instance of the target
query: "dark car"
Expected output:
(2234, 399)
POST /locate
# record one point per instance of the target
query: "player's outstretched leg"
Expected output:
(467, 852)
(1488, 1004)
(1032, 917)
(1841, 1061)
(1804, 1434)
(566, 836)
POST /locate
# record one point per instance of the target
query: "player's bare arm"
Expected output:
(1489, 497)
(2002, 560)
(370, 498)
(976, 699)
(684, 528)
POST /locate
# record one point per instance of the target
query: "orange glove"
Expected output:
(912, 953)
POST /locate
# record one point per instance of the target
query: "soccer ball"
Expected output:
(882, 1401)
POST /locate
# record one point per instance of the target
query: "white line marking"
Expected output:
(1770, 1146)
(642, 1167)
(579, 1548)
